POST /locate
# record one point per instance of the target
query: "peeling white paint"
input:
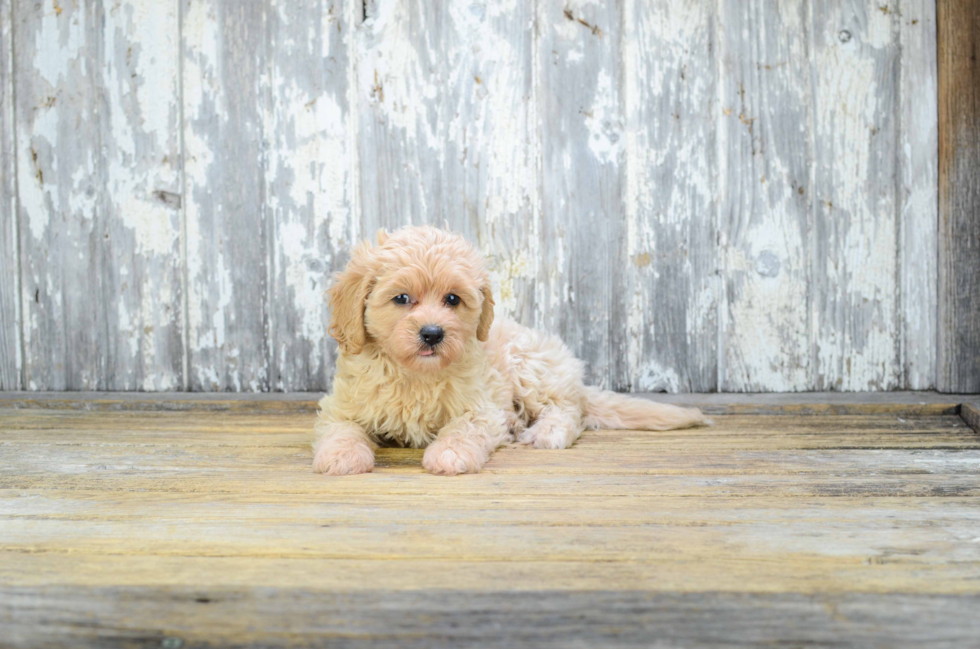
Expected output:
(764, 333)
(604, 121)
(34, 200)
(142, 111)
(389, 74)
(127, 329)
(203, 102)
(67, 29)
(855, 329)
(671, 189)
(653, 378)
(919, 190)
(37, 169)
(307, 291)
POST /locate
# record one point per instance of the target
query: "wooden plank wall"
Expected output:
(737, 195)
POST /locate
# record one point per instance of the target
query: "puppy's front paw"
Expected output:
(552, 434)
(453, 456)
(343, 456)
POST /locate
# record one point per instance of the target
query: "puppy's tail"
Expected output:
(611, 410)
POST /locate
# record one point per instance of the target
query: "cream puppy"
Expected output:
(422, 364)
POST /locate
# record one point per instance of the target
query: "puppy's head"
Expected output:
(420, 295)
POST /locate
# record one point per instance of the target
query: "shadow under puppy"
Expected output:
(423, 364)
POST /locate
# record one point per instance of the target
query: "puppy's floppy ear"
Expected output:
(486, 315)
(348, 294)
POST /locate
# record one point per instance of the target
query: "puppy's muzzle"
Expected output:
(431, 335)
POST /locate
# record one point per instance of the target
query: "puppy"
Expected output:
(422, 364)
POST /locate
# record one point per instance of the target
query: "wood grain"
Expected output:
(970, 412)
(436, 539)
(669, 277)
(918, 193)
(311, 183)
(225, 98)
(959, 196)
(766, 154)
(60, 218)
(582, 211)
(137, 616)
(855, 318)
(97, 115)
(800, 456)
(10, 350)
(814, 576)
(140, 141)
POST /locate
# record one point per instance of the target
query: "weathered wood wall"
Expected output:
(959, 196)
(701, 195)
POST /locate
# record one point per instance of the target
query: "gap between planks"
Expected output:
(857, 403)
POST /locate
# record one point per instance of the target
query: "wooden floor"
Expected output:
(140, 522)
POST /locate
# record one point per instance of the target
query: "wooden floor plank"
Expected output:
(944, 538)
(772, 574)
(368, 508)
(414, 482)
(203, 616)
(809, 456)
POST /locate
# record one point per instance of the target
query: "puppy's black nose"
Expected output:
(431, 335)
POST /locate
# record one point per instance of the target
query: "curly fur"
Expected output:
(484, 385)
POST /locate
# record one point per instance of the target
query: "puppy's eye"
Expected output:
(401, 299)
(452, 299)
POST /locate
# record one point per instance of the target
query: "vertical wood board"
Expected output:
(50, 49)
(855, 316)
(959, 196)
(226, 92)
(10, 361)
(310, 178)
(766, 154)
(919, 245)
(140, 144)
(58, 185)
(98, 183)
(671, 278)
(582, 232)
